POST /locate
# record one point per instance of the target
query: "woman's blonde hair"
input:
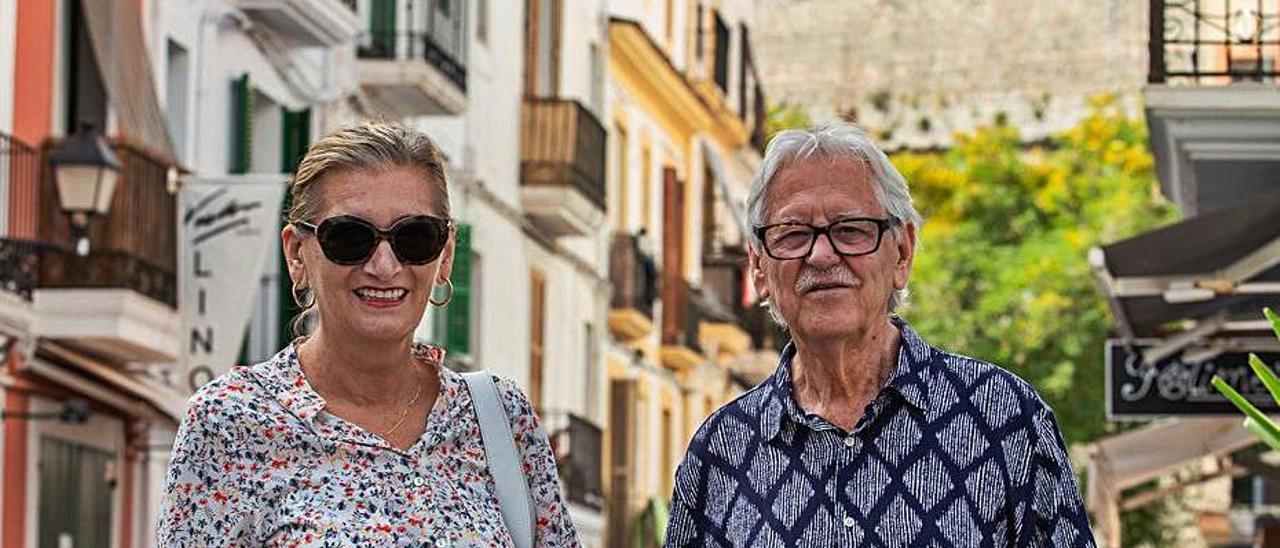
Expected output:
(371, 146)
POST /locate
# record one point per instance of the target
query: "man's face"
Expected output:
(827, 295)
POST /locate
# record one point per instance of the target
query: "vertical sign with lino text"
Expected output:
(227, 225)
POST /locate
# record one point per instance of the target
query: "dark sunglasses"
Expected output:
(350, 240)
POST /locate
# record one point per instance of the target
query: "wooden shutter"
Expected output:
(458, 317)
(537, 311)
(623, 395)
(672, 255)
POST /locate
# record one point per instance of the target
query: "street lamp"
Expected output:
(85, 169)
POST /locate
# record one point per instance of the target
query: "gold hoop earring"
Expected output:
(449, 284)
(300, 297)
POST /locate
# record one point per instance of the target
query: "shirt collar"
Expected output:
(284, 380)
(909, 380)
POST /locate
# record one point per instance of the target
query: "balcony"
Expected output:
(1212, 102)
(635, 285)
(411, 57)
(306, 22)
(578, 445)
(681, 320)
(120, 301)
(748, 342)
(19, 176)
(562, 159)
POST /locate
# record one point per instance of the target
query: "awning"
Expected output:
(1129, 459)
(736, 207)
(1205, 277)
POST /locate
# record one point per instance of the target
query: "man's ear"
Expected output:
(906, 244)
(756, 272)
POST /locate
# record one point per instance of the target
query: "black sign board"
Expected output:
(1176, 387)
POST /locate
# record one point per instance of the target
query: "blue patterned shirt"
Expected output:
(953, 451)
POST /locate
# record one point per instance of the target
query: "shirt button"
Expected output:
(419, 482)
(849, 441)
(848, 521)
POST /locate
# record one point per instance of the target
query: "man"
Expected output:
(865, 435)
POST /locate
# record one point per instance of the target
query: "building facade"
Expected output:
(94, 383)
(599, 154)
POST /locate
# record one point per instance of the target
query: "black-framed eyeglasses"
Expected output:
(350, 240)
(849, 237)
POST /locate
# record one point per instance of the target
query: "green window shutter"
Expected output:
(241, 125)
(382, 27)
(458, 319)
(296, 137)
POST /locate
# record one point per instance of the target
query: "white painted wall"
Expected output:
(8, 47)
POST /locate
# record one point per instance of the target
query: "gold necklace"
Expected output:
(404, 413)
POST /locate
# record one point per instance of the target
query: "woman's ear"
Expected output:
(446, 262)
(291, 241)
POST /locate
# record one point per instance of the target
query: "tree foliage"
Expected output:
(1002, 273)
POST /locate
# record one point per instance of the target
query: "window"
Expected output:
(537, 312)
(266, 142)
(542, 70)
(597, 80)
(76, 487)
(721, 46)
(241, 130)
(85, 94)
(621, 175)
(594, 366)
(699, 46)
(646, 186)
(177, 86)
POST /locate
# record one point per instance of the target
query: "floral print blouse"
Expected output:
(257, 461)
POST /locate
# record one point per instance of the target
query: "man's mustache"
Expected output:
(836, 276)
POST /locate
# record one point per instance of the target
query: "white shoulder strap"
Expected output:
(504, 459)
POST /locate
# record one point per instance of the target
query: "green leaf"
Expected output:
(1268, 377)
(1262, 433)
(1248, 408)
(1274, 319)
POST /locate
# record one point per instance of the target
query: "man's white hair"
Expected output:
(834, 141)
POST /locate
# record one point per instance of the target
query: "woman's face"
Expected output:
(381, 299)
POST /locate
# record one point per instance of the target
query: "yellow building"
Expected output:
(685, 131)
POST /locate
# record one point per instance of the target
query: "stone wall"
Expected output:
(915, 71)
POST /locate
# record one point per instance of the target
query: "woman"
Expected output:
(356, 435)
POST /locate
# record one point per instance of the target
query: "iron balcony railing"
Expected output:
(1214, 41)
(27, 265)
(431, 30)
(19, 267)
(633, 274)
(107, 269)
(579, 449)
(562, 143)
